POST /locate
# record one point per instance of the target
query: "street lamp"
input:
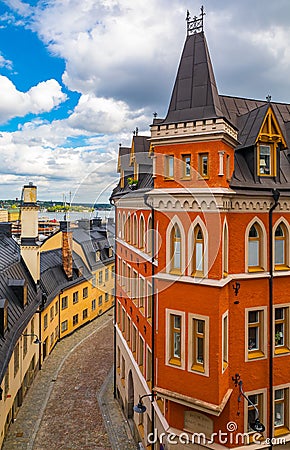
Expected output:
(140, 408)
(36, 341)
(256, 425)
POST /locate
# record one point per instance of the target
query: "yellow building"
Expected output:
(3, 215)
(58, 286)
(19, 325)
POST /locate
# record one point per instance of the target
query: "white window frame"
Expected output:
(192, 317)
(168, 313)
(264, 331)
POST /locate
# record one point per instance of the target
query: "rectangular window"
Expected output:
(56, 308)
(85, 314)
(100, 302)
(149, 366)
(265, 160)
(257, 400)
(149, 301)
(203, 165)
(24, 343)
(51, 313)
(51, 339)
(94, 304)
(118, 359)
(198, 345)
(94, 282)
(128, 329)
(45, 322)
(169, 166)
(281, 330)
(85, 292)
(186, 169)
(64, 326)
(106, 274)
(175, 339)
(123, 321)
(141, 353)
(134, 339)
(75, 297)
(141, 293)
(281, 411)
(134, 285)
(100, 277)
(6, 383)
(256, 337)
(64, 302)
(75, 319)
(106, 297)
(16, 359)
(225, 341)
(32, 331)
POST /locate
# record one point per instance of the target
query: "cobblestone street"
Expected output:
(61, 410)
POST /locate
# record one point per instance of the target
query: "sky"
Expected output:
(77, 77)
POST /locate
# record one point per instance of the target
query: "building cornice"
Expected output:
(195, 403)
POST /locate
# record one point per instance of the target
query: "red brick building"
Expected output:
(202, 265)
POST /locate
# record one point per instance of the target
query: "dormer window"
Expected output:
(266, 160)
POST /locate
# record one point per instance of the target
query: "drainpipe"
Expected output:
(276, 195)
(115, 309)
(153, 310)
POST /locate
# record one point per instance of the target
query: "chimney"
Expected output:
(67, 261)
(84, 224)
(29, 230)
(96, 222)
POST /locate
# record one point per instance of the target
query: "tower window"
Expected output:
(203, 165)
(266, 163)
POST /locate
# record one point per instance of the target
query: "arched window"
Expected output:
(255, 248)
(198, 252)
(142, 233)
(124, 226)
(175, 249)
(135, 230)
(129, 228)
(281, 245)
(225, 250)
(149, 236)
(119, 225)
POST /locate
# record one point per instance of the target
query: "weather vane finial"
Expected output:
(195, 24)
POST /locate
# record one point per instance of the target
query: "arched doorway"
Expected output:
(130, 396)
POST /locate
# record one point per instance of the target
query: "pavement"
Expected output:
(70, 405)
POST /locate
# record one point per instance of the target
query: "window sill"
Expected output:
(197, 368)
(282, 350)
(279, 431)
(282, 267)
(256, 354)
(175, 362)
(255, 269)
(175, 272)
(168, 178)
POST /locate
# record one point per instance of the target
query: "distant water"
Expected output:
(74, 216)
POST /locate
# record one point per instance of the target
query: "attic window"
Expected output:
(98, 254)
(3, 316)
(19, 287)
(266, 160)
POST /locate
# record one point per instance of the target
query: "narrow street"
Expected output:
(61, 410)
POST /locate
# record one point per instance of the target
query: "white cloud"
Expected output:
(41, 98)
(5, 63)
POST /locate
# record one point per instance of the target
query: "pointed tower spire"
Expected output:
(195, 95)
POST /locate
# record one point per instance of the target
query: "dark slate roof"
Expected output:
(12, 267)
(53, 277)
(249, 125)
(141, 149)
(94, 239)
(195, 95)
(145, 183)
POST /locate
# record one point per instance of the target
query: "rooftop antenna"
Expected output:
(195, 24)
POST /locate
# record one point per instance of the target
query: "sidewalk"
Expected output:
(61, 410)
